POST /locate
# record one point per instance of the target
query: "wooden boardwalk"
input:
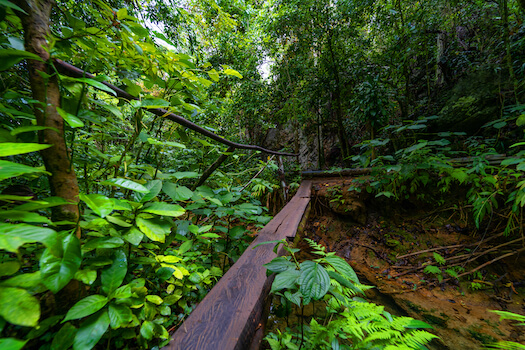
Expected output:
(231, 313)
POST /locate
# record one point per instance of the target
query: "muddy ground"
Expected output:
(389, 244)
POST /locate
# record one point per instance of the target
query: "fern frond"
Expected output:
(417, 338)
(506, 345)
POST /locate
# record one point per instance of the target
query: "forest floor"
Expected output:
(389, 245)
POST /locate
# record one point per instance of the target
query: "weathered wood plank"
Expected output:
(229, 315)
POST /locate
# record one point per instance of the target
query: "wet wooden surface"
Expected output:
(230, 314)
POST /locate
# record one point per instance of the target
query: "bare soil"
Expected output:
(379, 240)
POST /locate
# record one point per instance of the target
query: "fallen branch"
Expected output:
(72, 71)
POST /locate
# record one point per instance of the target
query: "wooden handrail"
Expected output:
(230, 314)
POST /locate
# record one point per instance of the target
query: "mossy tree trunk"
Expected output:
(44, 84)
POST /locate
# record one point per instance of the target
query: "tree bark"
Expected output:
(44, 84)
(214, 167)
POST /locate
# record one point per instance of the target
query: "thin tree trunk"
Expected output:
(214, 167)
(63, 181)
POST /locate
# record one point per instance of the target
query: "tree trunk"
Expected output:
(44, 84)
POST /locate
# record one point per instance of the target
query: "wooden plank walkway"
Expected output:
(229, 315)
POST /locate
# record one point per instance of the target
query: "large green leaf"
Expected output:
(152, 141)
(177, 193)
(10, 169)
(233, 72)
(100, 204)
(153, 187)
(12, 236)
(72, 120)
(147, 329)
(314, 280)
(19, 307)
(11, 149)
(85, 307)
(341, 266)
(56, 272)
(125, 183)
(12, 344)
(103, 242)
(24, 216)
(154, 229)
(285, 280)
(9, 268)
(10, 57)
(91, 331)
(119, 315)
(133, 236)
(113, 275)
(165, 209)
(64, 338)
(279, 264)
(95, 84)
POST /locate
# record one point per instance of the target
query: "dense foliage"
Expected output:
(105, 237)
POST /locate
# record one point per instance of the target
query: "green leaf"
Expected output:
(100, 204)
(184, 247)
(8, 3)
(10, 149)
(72, 120)
(439, 259)
(165, 273)
(153, 187)
(12, 343)
(294, 298)
(19, 307)
(118, 221)
(314, 280)
(177, 193)
(133, 236)
(230, 71)
(165, 209)
(125, 183)
(213, 74)
(417, 324)
(432, 269)
(24, 216)
(91, 331)
(86, 276)
(10, 169)
(119, 315)
(165, 143)
(155, 299)
(12, 236)
(185, 175)
(85, 307)
(122, 13)
(103, 242)
(521, 120)
(123, 292)
(95, 84)
(10, 57)
(341, 266)
(285, 280)
(154, 229)
(64, 338)
(146, 330)
(58, 271)
(9, 268)
(279, 264)
(113, 276)
(26, 280)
